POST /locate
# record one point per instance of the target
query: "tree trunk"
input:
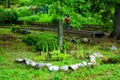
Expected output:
(8, 3)
(116, 33)
(5, 3)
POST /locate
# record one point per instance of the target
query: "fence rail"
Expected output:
(49, 27)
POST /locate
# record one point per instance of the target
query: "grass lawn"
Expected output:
(12, 49)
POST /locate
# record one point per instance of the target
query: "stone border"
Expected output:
(63, 68)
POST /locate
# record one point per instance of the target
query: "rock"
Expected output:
(32, 63)
(97, 54)
(113, 48)
(19, 60)
(80, 65)
(26, 61)
(29, 62)
(40, 65)
(92, 59)
(25, 31)
(85, 40)
(106, 34)
(53, 68)
(48, 65)
(74, 67)
(84, 63)
(90, 64)
(64, 68)
(74, 40)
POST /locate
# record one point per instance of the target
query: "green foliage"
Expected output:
(47, 41)
(37, 18)
(116, 59)
(43, 41)
(41, 57)
(112, 59)
(56, 77)
(58, 56)
(66, 45)
(16, 29)
(24, 11)
(10, 14)
(34, 18)
(1, 59)
(31, 39)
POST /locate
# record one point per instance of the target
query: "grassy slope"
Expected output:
(9, 70)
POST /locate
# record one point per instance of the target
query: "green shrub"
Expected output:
(47, 42)
(116, 59)
(16, 29)
(31, 39)
(43, 41)
(10, 14)
(58, 56)
(24, 12)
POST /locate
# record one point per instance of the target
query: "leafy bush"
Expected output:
(10, 14)
(31, 39)
(23, 11)
(16, 29)
(43, 41)
(47, 42)
(58, 56)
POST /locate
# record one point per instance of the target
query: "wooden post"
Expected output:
(60, 31)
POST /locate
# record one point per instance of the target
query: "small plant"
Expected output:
(40, 58)
(58, 56)
(16, 29)
(113, 59)
(56, 77)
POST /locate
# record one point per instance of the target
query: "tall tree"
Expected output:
(106, 5)
(5, 3)
(116, 32)
(8, 3)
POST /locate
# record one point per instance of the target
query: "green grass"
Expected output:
(9, 70)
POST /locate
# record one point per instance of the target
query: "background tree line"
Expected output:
(102, 12)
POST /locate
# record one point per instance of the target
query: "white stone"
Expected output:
(80, 65)
(27, 62)
(19, 60)
(97, 54)
(113, 48)
(33, 64)
(48, 64)
(64, 68)
(84, 63)
(92, 59)
(85, 40)
(90, 64)
(53, 68)
(41, 65)
(74, 67)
